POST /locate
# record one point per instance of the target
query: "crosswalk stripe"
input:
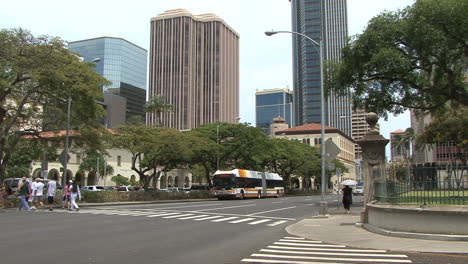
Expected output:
(332, 249)
(206, 218)
(192, 217)
(333, 259)
(163, 214)
(224, 219)
(179, 215)
(334, 253)
(309, 245)
(297, 238)
(277, 223)
(301, 241)
(241, 220)
(284, 261)
(259, 222)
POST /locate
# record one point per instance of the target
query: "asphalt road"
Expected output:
(190, 232)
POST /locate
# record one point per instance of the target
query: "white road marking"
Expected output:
(221, 208)
(242, 220)
(209, 217)
(277, 223)
(334, 259)
(192, 217)
(308, 245)
(333, 253)
(199, 205)
(331, 249)
(298, 238)
(164, 214)
(272, 210)
(300, 241)
(259, 222)
(179, 215)
(284, 261)
(225, 219)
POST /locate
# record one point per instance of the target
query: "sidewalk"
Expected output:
(340, 228)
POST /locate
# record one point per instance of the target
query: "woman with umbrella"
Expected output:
(347, 194)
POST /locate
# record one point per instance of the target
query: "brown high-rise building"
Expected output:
(194, 65)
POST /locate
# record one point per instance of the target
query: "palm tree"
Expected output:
(157, 105)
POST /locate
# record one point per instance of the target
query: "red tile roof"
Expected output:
(399, 131)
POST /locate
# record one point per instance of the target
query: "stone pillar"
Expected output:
(373, 160)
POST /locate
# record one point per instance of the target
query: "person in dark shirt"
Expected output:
(347, 197)
(23, 191)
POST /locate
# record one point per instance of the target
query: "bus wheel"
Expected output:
(241, 195)
(259, 195)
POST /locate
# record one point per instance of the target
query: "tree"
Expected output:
(290, 157)
(91, 160)
(414, 58)
(157, 106)
(37, 77)
(120, 180)
(154, 149)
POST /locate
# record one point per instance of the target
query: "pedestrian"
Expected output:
(32, 190)
(23, 192)
(39, 193)
(347, 197)
(74, 194)
(66, 196)
(51, 188)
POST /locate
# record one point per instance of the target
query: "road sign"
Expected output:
(331, 150)
(64, 158)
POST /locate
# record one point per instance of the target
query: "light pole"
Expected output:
(67, 132)
(319, 47)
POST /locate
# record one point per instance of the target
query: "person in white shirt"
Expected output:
(51, 189)
(74, 194)
(39, 193)
(31, 196)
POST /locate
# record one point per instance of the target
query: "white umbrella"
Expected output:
(349, 182)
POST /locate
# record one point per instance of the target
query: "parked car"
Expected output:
(93, 188)
(358, 190)
(109, 188)
(198, 188)
(125, 189)
(14, 182)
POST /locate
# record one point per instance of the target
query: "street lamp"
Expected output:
(319, 47)
(67, 133)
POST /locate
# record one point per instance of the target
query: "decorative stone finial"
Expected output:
(372, 120)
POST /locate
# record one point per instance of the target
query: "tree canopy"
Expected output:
(37, 77)
(413, 58)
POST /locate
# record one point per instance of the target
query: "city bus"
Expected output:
(242, 184)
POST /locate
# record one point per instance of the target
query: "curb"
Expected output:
(442, 237)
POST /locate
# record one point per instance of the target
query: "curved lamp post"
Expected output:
(319, 47)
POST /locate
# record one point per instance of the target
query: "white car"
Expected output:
(93, 188)
(358, 190)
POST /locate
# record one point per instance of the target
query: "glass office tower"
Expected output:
(270, 104)
(324, 20)
(125, 65)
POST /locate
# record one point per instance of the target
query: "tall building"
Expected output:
(194, 65)
(324, 20)
(125, 65)
(272, 103)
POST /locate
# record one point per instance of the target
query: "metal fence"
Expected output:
(438, 185)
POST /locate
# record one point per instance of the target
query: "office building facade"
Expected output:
(325, 21)
(125, 65)
(360, 129)
(272, 103)
(194, 65)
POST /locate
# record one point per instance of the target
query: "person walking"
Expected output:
(32, 190)
(74, 194)
(39, 193)
(66, 196)
(51, 189)
(23, 191)
(347, 197)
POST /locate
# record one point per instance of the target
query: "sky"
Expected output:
(265, 62)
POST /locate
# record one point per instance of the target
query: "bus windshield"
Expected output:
(224, 181)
